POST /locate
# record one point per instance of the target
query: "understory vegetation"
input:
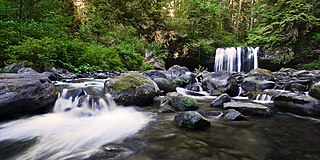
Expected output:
(114, 35)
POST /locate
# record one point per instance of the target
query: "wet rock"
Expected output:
(27, 71)
(287, 70)
(64, 74)
(210, 114)
(295, 86)
(218, 102)
(163, 104)
(180, 76)
(234, 115)
(191, 120)
(12, 68)
(315, 91)
(165, 85)
(25, 93)
(220, 82)
(132, 89)
(182, 103)
(50, 75)
(249, 109)
(152, 74)
(252, 84)
(299, 104)
(262, 74)
(194, 87)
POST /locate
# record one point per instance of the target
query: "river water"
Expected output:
(140, 133)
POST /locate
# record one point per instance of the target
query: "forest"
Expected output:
(114, 35)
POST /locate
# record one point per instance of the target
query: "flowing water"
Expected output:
(97, 128)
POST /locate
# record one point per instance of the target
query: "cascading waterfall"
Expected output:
(76, 129)
(236, 59)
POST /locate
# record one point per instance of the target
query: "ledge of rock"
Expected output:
(249, 109)
(22, 94)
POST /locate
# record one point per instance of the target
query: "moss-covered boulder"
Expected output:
(191, 120)
(253, 84)
(165, 85)
(182, 103)
(132, 89)
(261, 74)
(315, 90)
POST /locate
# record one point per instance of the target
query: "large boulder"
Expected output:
(249, 109)
(253, 84)
(180, 76)
(12, 68)
(315, 90)
(132, 89)
(22, 94)
(165, 85)
(182, 103)
(299, 104)
(261, 74)
(152, 74)
(191, 120)
(27, 71)
(220, 82)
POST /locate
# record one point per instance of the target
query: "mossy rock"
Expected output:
(182, 103)
(315, 91)
(132, 89)
(191, 120)
(262, 74)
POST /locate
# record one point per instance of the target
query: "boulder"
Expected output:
(22, 94)
(165, 85)
(12, 68)
(132, 89)
(180, 76)
(182, 103)
(63, 74)
(315, 91)
(191, 120)
(249, 109)
(163, 104)
(152, 74)
(261, 74)
(287, 70)
(299, 104)
(294, 86)
(234, 115)
(218, 102)
(220, 82)
(27, 71)
(253, 84)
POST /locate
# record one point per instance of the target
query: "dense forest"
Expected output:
(115, 34)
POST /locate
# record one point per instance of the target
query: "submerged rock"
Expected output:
(315, 91)
(191, 120)
(249, 109)
(132, 89)
(25, 93)
(218, 102)
(299, 104)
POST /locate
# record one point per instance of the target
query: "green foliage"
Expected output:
(313, 65)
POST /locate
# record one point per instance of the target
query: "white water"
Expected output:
(75, 133)
(229, 59)
(263, 98)
(205, 96)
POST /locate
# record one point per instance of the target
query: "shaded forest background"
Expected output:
(107, 34)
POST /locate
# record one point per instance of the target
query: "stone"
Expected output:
(249, 109)
(165, 85)
(182, 103)
(315, 90)
(262, 74)
(12, 68)
(220, 82)
(27, 71)
(21, 94)
(291, 86)
(218, 102)
(152, 74)
(163, 104)
(253, 84)
(191, 120)
(132, 89)
(234, 115)
(298, 104)
(287, 70)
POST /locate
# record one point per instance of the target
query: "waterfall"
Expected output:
(263, 98)
(77, 128)
(236, 59)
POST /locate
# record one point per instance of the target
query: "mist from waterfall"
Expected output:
(236, 59)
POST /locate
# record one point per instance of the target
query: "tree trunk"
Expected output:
(238, 19)
(252, 15)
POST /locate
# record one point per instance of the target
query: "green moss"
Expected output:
(129, 81)
(189, 102)
(262, 72)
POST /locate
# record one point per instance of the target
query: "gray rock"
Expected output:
(182, 103)
(299, 104)
(27, 71)
(152, 74)
(163, 104)
(132, 89)
(262, 74)
(12, 68)
(191, 120)
(315, 91)
(25, 93)
(252, 84)
(249, 109)
(234, 115)
(291, 86)
(218, 102)
(180, 76)
(165, 85)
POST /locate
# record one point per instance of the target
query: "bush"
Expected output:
(313, 65)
